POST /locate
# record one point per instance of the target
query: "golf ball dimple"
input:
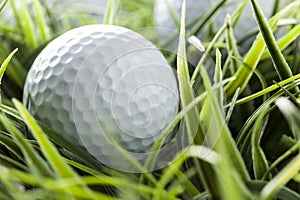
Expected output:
(103, 87)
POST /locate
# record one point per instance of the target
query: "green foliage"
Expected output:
(244, 124)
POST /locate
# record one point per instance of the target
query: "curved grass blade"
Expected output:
(260, 163)
(201, 152)
(33, 159)
(284, 176)
(287, 154)
(291, 113)
(54, 185)
(4, 66)
(52, 155)
(9, 162)
(253, 56)
(57, 138)
(233, 168)
(194, 129)
(10, 144)
(283, 193)
(283, 69)
(235, 17)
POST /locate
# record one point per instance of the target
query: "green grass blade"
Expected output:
(110, 12)
(27, 25)
(4, 66)
(260, 163)
(58, 139)
(280, 63)
(283, 193)
(291, 113)
(186, 92)
(43, 27)
(212, 111)
(200, 152)
(211, 45)
(52, 184)
(284, 41)
(294, 149)
(267, 90)
(218, 79)
(50, 152)
(194, 129)
(10, 144)
(232, 45)
(232, 105)
(253, 56)
(33, 159)
(3, 4)
(9, 162)
(47, 148)
(284, 176)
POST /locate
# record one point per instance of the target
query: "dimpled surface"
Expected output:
(197, 8)
(103, 87)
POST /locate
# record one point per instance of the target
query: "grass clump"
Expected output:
(244, 121)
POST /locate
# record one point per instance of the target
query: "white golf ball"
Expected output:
(197, 8)
(99, 85)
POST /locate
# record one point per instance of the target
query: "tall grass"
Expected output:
(244, 125)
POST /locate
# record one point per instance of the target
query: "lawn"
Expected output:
(239, 106)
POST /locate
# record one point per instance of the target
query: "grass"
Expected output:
(244, 121)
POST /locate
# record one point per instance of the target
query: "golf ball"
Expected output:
(197, 8)
(103, 87)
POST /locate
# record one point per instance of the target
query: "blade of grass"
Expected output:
(284, 41)
(218, 79)
(233, 168)
(4, 67)
(284, 192)
(10, 144)
(193, 124)
(283, 157)
(291, 113)
(50, 152)
(282, 67)
(110, 12)
(253, 56)
(9, 162)
(51, 184)
(43, 27)
(33, 159)
(260, 163)
(232, 105)
(232, 45)
(284, 176)
(243, 136)
(3, 4)
(58, 139)
(266, 90)
(15, 71)
(201, 152)
(235, 17)
(27, 25)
